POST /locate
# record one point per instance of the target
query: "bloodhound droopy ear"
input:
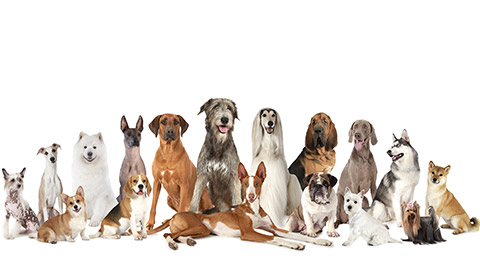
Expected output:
(183, 124)
(332, 138)
(154, 125)
(309, 141)
(139, 124)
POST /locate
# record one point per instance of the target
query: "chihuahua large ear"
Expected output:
(80, 192)
(139, 124)
(123, 124)
(5, 173)
(64, 198)
(154, 125)
(332, 138)
(183, 124)
(373, 136)
(242, 173)
(22, 173)
(261, 171)
(41, 150)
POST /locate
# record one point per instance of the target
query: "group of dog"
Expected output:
(219, 197)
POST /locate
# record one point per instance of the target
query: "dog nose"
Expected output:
(170, 131)
(270, 123)
(349, 207)
(89, 154)
(318, 130)
(357, 136)
(19, 186)
(389, 152)
(435, 180)
(75, 207)
(52, 159)
(140, 186)
(224, 120)
(251, 196)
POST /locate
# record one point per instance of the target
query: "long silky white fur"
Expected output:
(281, 192)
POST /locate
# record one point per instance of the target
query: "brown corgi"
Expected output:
(445, 204)
(68, 225)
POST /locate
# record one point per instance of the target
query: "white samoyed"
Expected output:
(90, 170)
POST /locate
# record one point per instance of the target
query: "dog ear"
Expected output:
(22, 173)
(80, 192)
(405, 136)
(242, 173)
(394, 138)
(362, 193)
(41, 150)
(332, 138)
(235, 110)
(309, 141)
(373, 136)
(139, 124)
(183, 124)
(5, 173)
(128, 187)
(149, 187)
(350, 133)
(205, 106)
(123, 124)
(431, 165)
(56, 146)
(100, 136)
(333, 180)
(64, 198)
(261, 171)
(308, 179)
(403, 205)
(82, 134)
(154, 125)
(447, 169)
(347, 191)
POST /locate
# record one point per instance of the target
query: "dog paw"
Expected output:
(71, 240)
(322, 242)
(297, 246)
(9, 237)
(400, 224)
(94, 224)
(144, 235)
(138, 238)
(173, 245)
(86, 238)
(346, 244)
(333, 234)
(191, 242)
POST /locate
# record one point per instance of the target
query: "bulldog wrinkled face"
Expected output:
(320, 187)
(268, 120)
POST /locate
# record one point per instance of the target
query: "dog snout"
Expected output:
(349, 207)
(389, 152)
(270, 123)
(52, 159)
(224, 120)
(19, 186)
(141, 186)
(435, 180)
(251, 196)
(170, 131)
(89, 154)
(357, 136)
(75, 207)
(318, 130)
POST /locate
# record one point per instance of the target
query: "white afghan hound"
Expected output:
(281, 191)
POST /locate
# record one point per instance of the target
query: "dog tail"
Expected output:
(474, 225)
(162, 227)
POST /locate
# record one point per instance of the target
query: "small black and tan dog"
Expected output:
(420, 230)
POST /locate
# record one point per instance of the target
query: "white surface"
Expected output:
(70, 66)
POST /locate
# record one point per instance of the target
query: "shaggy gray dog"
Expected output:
(218, 160)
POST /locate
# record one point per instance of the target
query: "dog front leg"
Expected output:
(296, 236)
(236, 191)
(397, 210)
(6, 229)
(84, 237)
(153, 209)
(274, 240)
(144, 227)
(60, 205)
(310, 227)
(133, 228)
(351, 238)
(331, 225)
(197, 192)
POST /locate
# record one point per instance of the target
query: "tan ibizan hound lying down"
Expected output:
(239, 222)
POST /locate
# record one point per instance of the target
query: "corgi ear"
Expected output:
(242, 173)
(41, 151)
(64, 198)
(80, 192)
(332, 138)
(139, 124)
(261, 171)
(447, 169)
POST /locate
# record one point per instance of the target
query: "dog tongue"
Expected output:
(223, 129)
(358, 145)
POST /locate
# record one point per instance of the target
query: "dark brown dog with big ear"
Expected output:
(318, 154)
(360, 172)
(172, 167)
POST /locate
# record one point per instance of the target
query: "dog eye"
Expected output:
(134, 181)
(264, 115)
(46, 153)
(53, 150)
(94, 147)
(324, 121)
(164, 122)
(273, 115)
(246, 184)
(71, 203)
(175, 122)
(348, 200)
(313, 122)
(433, 173)
(256, 185)
(13, 180)
(78, 201)
(355, 202)
(85, 147)
(441, 174)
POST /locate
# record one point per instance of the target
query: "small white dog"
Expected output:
(318, 207)
(362, 224)
(50, 186)
(90, 170)
(281, 191)
(17, 207)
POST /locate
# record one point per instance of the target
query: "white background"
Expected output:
(71, 66)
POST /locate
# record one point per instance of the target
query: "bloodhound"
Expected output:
(318, 154)
(172, 167)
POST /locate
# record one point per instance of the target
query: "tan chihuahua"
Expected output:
(68, 225)
(445, 204)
